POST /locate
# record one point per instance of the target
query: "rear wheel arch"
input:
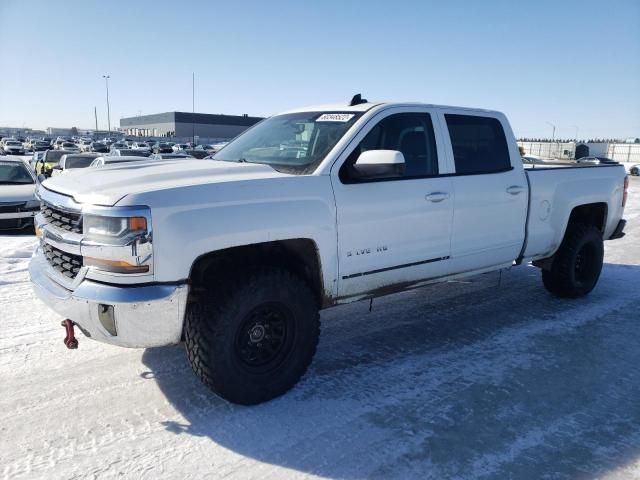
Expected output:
(589, 214)
(594, 214)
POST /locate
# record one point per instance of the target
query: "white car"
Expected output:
(144, 146)
(236, 255)
(18, 203)
(73, 161)
(13, 147)
(116, 159)
(85, 145)
(180, 146)
(216, 147)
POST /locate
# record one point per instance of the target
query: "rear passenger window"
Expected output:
(479, 144)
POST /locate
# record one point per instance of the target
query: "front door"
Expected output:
(394, 232)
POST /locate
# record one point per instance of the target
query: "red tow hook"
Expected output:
(70, 340)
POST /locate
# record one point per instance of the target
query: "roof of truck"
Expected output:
(363, 107)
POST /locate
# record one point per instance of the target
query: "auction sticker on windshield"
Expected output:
(335, 117)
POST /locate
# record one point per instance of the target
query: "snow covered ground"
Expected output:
(491, 378)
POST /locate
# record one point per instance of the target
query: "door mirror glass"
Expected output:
(380, 164)
(41, 178)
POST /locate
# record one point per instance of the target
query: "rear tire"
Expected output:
(252, 340)
(577, 264)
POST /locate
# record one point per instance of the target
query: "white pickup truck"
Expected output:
(311, 208)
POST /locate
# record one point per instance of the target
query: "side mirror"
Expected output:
(41, 178)
(380, 164)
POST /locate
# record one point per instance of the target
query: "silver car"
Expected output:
(18, 203)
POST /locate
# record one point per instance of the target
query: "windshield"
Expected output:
(13, 173)
(78, 162)
(293, 142)
(14, 144)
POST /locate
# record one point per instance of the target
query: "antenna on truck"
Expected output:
(357, 100)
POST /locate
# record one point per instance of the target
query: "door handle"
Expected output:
(515, 189)
(436, 197)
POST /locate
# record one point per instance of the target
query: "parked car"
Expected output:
(180, 146)
(142, 146)
(49, 159)
(115, 160)
(236, 256)
(595, 160)
(162, 147)
(69, 147)
(34, 159)
(124, 152)
(85, 145)
(216, 147)
(200, 154)
(18, 203)
(170, 156)
(99, 147)
(40, 146)
(73, 161)
(13, 147)
(118, 146)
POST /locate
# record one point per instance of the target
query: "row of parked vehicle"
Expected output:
(21, 146)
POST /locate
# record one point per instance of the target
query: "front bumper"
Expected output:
(16, 220)
(128, 316)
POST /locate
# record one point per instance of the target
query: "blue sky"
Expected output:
(568, 63)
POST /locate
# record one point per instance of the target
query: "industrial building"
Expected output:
(185, 124)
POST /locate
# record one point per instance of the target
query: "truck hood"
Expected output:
(17, 193)
(107, 185)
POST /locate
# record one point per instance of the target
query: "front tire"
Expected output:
(577, 264)
(252, 340)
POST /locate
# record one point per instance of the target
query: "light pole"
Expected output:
(553, 133)
(576, 137)
(106, 80)
(193, 109)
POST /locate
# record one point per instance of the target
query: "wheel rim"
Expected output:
(265, 337)
(586, 265)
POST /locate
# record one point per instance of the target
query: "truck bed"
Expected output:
(555, 190)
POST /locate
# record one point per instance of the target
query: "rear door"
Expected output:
(394, 231)
(491, 193)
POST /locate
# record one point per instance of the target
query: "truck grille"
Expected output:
(11, 207)
(66, 263)
(69, 221)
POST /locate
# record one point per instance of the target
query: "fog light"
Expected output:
(107, 318)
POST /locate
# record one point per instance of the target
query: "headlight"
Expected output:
(113, 228)
(117, 244)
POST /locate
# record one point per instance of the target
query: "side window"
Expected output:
(410, 133)
(479, 144)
